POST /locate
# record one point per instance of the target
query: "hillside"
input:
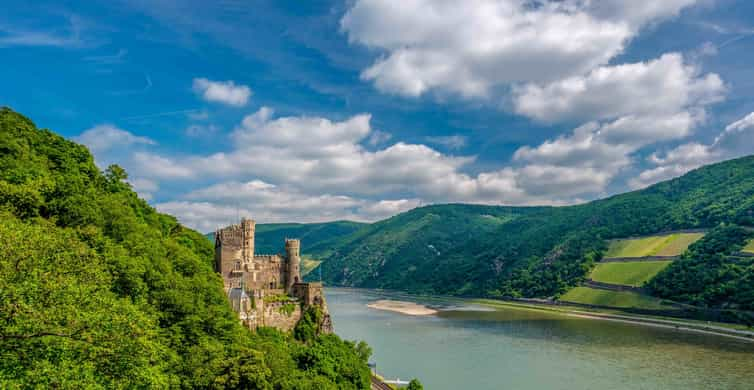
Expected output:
(98, 290)
(532, 252)
(403, 252)
(270, 237)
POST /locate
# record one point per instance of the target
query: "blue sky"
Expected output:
(322, 110)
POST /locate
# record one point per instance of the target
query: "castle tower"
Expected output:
(293, 261)
(247, 248)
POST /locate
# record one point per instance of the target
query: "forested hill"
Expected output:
(531, 252)
(270, 237)
(98, 290)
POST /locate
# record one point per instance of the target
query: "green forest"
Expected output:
(98, 290)
(489, 251)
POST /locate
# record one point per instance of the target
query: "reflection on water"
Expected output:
(475, 347)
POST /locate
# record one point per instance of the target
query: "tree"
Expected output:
(414, 385)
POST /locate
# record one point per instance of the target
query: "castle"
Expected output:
(265, 290)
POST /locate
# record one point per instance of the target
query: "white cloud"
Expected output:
(200, 130)
(735, 141)
(219, 204)
(659, 87)
(69, 35)
(102, 138)
(379, 137)
(452, 142)
(226, 92)
(155, 166)
(629, 107)
(308, 156)
(144, 187)
(738, 137)
(313, 169)
(387, 208)
(470, 47)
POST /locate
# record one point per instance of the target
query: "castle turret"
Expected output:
(293, 261)
(247, 227)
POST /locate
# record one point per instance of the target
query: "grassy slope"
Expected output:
(749, 247)
(679, 245)
(308, 265)
(660, 245)
(629, 274)
(622, 299)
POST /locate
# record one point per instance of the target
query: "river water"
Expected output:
(476, 347)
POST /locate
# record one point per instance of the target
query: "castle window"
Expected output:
(238, 266)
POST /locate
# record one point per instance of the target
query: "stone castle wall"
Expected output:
(275, 315)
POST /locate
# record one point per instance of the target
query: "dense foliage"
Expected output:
(98, 290)
(709, 274)
(411, 250)
(530, 252)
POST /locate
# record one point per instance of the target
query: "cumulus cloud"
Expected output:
(628, 107)
(225, 92)
(102, 138)
(219, 204)
(735, 141)
(660, 87)
(313, 168)
(156, 166)
(470, 47)
(379, 137)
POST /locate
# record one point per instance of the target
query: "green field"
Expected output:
(629, 274)
(664, 245)
(620, 299)
(749, 247)
(308, 264)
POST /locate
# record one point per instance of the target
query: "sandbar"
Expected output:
(408, 308)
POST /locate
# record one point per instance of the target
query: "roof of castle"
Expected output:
(237, 294)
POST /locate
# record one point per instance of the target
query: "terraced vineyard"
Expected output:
(749, 247)
(308, 264)
(633, 274)
(618, 299)
(661, 245)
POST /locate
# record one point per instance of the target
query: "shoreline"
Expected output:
(403, 307)
(683, 325)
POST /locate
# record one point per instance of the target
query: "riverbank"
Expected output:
(403, 307)
(728, 330)
(720, 329)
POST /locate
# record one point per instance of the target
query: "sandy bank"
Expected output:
(408, 308)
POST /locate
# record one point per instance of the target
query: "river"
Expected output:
(475, 347)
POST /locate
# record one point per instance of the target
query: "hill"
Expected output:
(270, 237)
(98, 290)
(411, 251)
(539, 251)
